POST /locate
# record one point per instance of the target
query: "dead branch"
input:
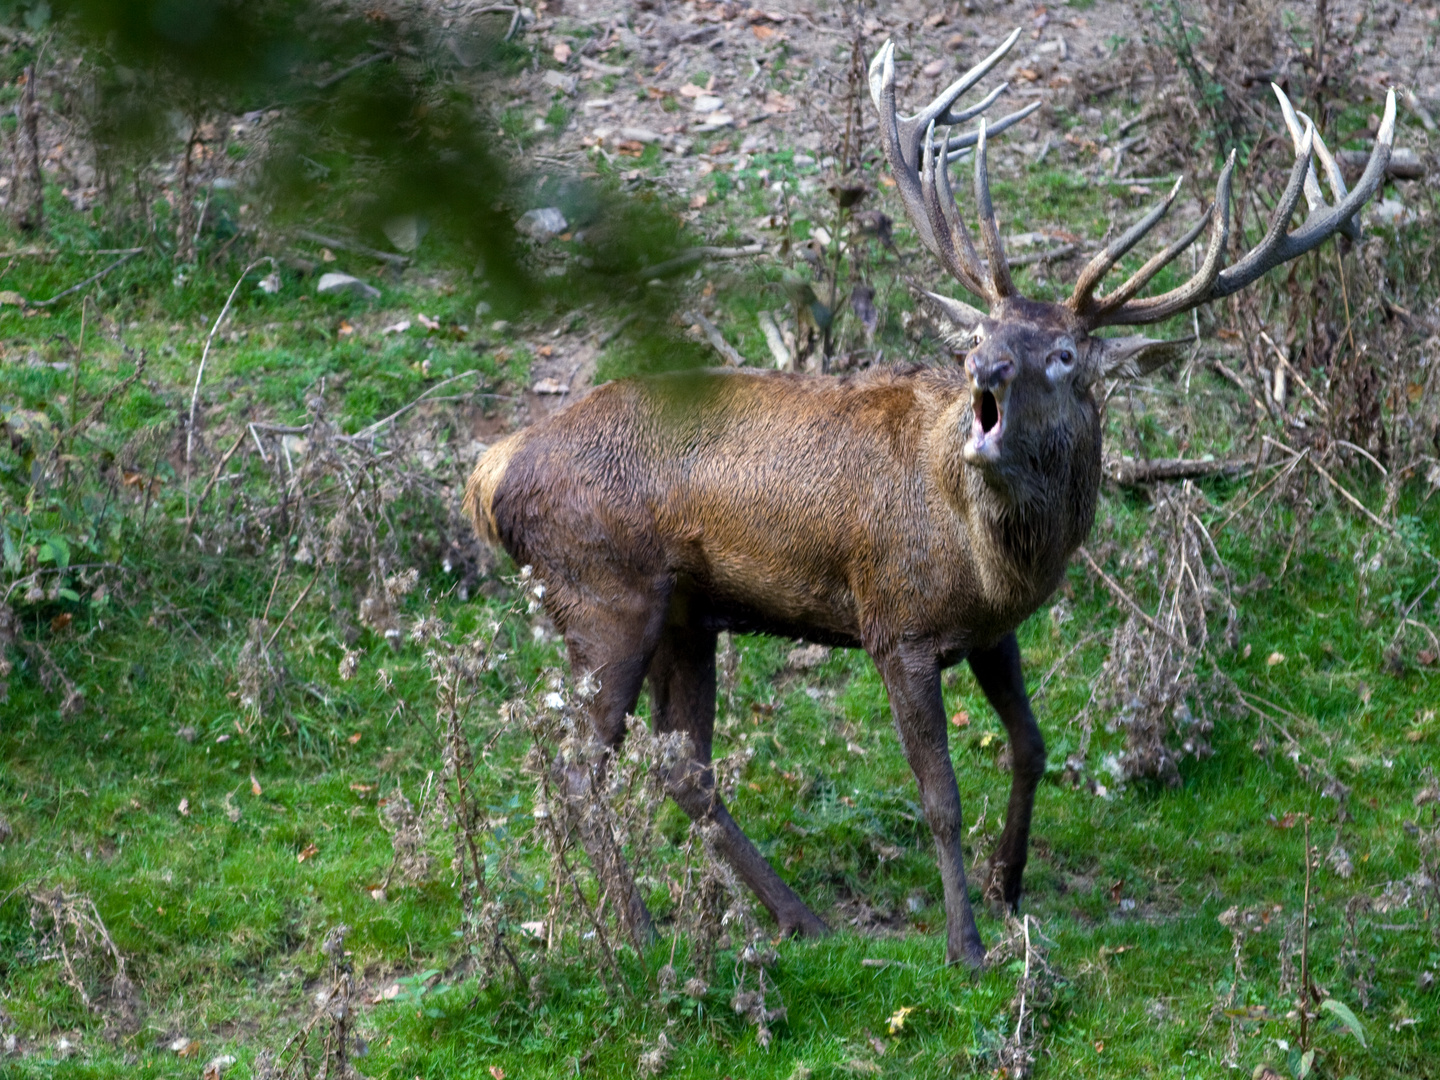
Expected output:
(398, 261)
(1134, 472)
(727, 352)
(130, 253)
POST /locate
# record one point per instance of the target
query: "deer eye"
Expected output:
(1063, 357)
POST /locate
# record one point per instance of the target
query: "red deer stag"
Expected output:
(919, 513)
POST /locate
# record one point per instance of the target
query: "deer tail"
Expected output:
(480, 491)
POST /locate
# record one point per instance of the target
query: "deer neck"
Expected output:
(1022, 523)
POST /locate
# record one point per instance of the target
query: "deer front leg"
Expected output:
(997, 670)
(912, 679)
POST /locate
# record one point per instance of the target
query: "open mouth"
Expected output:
(989, 424)
(989, 412)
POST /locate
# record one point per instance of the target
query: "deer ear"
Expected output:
(1131, 357)
(955, 319)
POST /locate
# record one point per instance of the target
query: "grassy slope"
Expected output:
(222, 924)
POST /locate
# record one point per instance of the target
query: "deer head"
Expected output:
(1032, 363)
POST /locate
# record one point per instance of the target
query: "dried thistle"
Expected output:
(1153, 688)
(408, 839)
(68, 928)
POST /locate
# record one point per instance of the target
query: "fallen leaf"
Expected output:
(1100, 1046)
(11, 298)
(396, 327)
(764, 33)
(353, 739)
(61, 622)
(255, 788)
(1427, 657)
(362, 789)
(933, 68)
(497, 1072)
(776, 102)
(549, 386)
(427, 322)
(961, 719)
(190, 1049)
(184, 807)
(309, 853)
(561, 52)
(1275, 658)
(697, 201)
(897, 1018)
(1286, 822)
(545, 350)
(690, 90)
(345, 330)
(1117, 890)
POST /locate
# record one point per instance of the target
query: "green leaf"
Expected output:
(55, 550)
(68, 594)
(1307, 1062)
(1341, 1012)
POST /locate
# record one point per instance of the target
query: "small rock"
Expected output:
(1392, 212)
(715, 122)
(806, 657)
(708, 103)
(343, 283)
(933, 68)
(406, 231)
(542, 224)
(549, 386)
(638, 134)
(558, 80)
(188, 733)
(216, 1066)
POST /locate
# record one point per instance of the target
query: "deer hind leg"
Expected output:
(613, 644)
(912, 680)
(997, 670)
(682, 689)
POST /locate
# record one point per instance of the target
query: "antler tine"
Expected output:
(957, 147)
(907, 181)
(1081, 300)
(953, 243)
(1103, 305)
(1000, 282)
(972, 111)
(1313, 197)
(1279, 246)
(1195, 291)
(939, 109)
(910, 129)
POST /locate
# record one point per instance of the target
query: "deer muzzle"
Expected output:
(989, 391)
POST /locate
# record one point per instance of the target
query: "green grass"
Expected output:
(221, 922)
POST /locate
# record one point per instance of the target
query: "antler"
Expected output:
(1211, 282)
(920, 165)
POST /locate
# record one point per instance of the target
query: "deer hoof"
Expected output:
(804, 923)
